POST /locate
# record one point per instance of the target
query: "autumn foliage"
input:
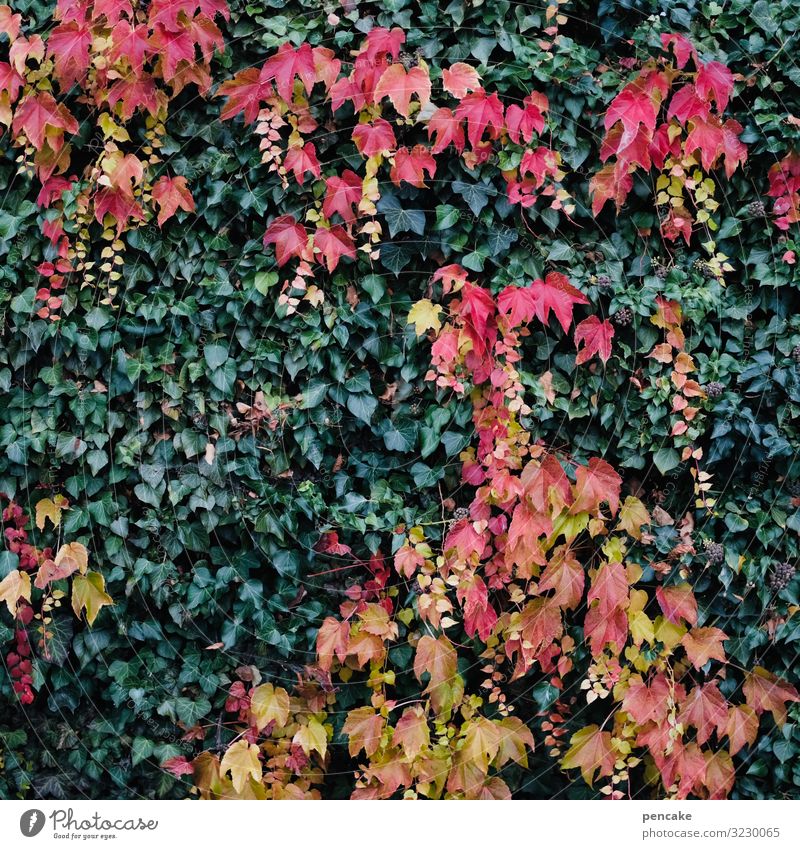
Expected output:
(550, 573)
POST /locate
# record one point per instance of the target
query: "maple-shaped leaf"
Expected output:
(333, 244)
(459, 79)
(132, 43)
(10, 82)
(436, 658)
(172, 194)
(366, 648)
(720, 774)
(400, 85)
(241, 761)
(177, 766)
(523, 121)
(410, 166)
(609, 587)
(678, 602)
(681, 47)
(288, 63)
(374, 138)
(332, 640)
(766, 692)
(50, 508)
(602, 629)
(42, 119)
(705, 135)
(632, 107)
(556, 293)
(448, 130)
(300, 160)
(342, 194)
(381, 41)
(479, 615)
(632, 515)
(703, 644)
(591, 752)
(312, 738)
(714, 80)
(515, 739)
(15, 585)
(269, 704)
(134, 93)
(596, 337)
(172, 48)
(647, 702)
(477, 309)
(425, 316)
(89, 594)
(10, 23)
(686, 103)
(517, 303)
(741, 727)
(735, 150)
(244, 92)
(595, 483)
(289, 237)
(412, 732)
(68, 45)
(565, 575)
(364, 727)
(72, 557)
(609, 184)
(481, 112)
(546, 484)
(704, 708)
(481, 742)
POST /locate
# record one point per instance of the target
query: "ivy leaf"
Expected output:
(591, 752)
(312, 738)
(556, 293)
(241, 760)
(481, 112)
(401, 220)
(289, 237)
(411, 732)
(287, 64)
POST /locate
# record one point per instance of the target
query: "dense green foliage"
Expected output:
(322, 420)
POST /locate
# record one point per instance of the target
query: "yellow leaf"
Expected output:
(312, 738)
(89, 593)
(241, 760)
(641, 627)
(268, 703)
(50, 508)
(424, 315)
(73, 555)
(13, 587)
(632, 515)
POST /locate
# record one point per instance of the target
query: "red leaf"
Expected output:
(460, 78)
(557, 294)
(400, 85)
(381, 42)
(678, 602)
(522, 122)
(681, 46)
(632, 107)
(706, 709)
(477, 307)
(546, 484)
(68, 45)
(594, 484)
(178, 766)
(707, 137)
(720, 774)
(715, 79)
(609, 183)
(289, 237)
(245, 93)
(766, 692)
(171, 194)
(687, 104)
(333, 244)
(374, 138)
(133, 43)
(517, 303)
(172, 48)
(596, 336)
(479, 615)
(448, 130)
(645, 703)
(343, 193)
(287, 64)
(609, 588)
(332, 640)
(134, 93)
(299, 160)
(410, 166)
(735, 150)
(36, 114)
(481, 111)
